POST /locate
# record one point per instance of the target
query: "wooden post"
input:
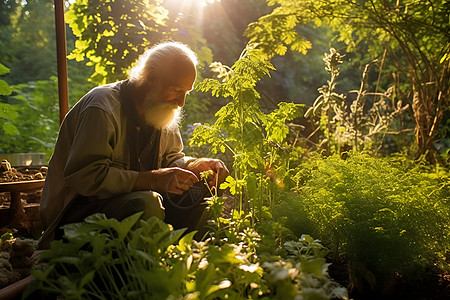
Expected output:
(61, 56)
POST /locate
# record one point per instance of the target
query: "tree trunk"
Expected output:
(427, 118)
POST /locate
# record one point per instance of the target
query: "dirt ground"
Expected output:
(18, 244)
(16, 174)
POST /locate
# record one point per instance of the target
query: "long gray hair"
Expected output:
(151, 61)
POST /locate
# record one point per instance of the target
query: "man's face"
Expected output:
(167, 94)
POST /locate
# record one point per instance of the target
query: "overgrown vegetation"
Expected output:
(383, 218)
(382, 214)
(410, 39)
(103, 258)
(365, 170)
(353, 121)
(252, 137)
(7, 111)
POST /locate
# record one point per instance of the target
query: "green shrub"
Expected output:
(107, 259)
(372, 211)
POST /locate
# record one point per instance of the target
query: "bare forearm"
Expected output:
(220, 171)
(172, 180)
(145, 181)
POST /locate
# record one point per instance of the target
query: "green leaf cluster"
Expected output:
(360, 124)
(256, 140)
(386, 215)
(29, 119)
(276, 31)
(409, 39)
(37, 121)
(241, 126)
(112, 34)
(7, 111)
(145, 259)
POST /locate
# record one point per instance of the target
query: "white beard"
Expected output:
(162, 115)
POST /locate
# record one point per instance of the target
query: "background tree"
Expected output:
(8, 9)
(215, 28)
(31, 122)
(412, 35)
(29, 51)
(297, 76)
(111, 35)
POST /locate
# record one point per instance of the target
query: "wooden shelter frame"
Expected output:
(61, 55)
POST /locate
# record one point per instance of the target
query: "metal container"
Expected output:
(25, 159)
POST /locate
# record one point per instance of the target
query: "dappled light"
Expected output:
(225, 149)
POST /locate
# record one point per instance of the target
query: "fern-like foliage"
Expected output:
(253, 137)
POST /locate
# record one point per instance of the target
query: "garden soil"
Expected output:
(17, 247)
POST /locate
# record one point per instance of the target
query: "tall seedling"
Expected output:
(242, 128)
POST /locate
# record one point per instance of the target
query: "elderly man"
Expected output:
(119, 149)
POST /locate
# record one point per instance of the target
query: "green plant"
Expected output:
(37, 120)
(111, 35)
(104, 258)
(257, 141)
(359, 124)
(386, 215)
(8, 112)
(410, 36)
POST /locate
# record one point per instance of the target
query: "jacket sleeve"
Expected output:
(90, 170)
(173, 155)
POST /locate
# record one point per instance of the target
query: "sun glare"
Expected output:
(192, 10)
(205, 2)
(202, 3)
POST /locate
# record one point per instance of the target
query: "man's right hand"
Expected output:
(170, 180)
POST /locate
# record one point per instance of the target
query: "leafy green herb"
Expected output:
(257, 141)
(145, 259)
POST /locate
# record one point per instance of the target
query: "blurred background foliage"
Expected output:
(333, 116)
(406, 45)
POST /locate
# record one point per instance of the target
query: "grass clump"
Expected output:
(371, 211)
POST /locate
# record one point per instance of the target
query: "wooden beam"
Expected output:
(61, 55)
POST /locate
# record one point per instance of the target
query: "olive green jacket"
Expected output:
(92, 155)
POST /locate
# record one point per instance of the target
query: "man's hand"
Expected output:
(170, 180)
(220, 171)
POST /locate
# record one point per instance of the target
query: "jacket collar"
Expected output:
(127, 100)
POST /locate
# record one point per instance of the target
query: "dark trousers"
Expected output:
(186, 210)
(181, 211)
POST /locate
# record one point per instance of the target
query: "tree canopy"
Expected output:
(406, 44)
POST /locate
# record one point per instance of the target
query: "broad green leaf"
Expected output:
(42, 274)
(68, 260)
(8, 111)
(87, 278)
(126, 224)
(230, 183)
(313, 266)
(185, 242)
(10, 129)
(3, 70)
(5, 89)
(147, 257)
(224, 254)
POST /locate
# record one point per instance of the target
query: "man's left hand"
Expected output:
(220, 171)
